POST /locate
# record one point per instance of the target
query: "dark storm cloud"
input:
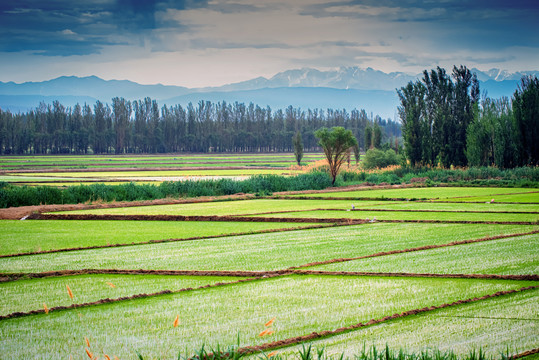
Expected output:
(64, 27)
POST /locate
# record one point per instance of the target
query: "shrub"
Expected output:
(375, 158)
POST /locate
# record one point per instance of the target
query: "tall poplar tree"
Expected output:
(298, 147)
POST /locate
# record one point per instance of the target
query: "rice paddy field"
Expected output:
(58, 170)
(454, 269)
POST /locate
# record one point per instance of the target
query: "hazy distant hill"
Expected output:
(346, 87)
(24, 103)
(91, 86)
(343, 78)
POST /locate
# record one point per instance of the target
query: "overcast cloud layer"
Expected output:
(209, 43)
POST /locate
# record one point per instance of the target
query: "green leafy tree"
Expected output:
(526, 115)
(376, 136)
(336, 143)
(491, 135)
(298, 147)
(412, 114)
(436, 113)
(368, 138)
(357, 156)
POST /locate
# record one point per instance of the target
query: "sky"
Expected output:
(196, 43)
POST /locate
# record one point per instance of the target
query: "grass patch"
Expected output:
(30, 294)
(42, 235)
(389, 215)
(77, 161)
(442, 193)
(495, 325)
(260, 251)
(162, 173)
(516, 256)
(224, 207)
(209, 316)
(518, 198)
(413, 205)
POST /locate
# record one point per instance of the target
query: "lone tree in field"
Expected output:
(336, 143)
(298, 147)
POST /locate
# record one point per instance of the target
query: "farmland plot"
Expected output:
(113, 169)
(312, 305)
(415, 279)
(439, 193)
(265, 252)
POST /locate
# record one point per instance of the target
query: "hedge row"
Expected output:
(517, 177)
(13, 195)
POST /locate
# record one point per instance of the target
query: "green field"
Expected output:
(441, 193)
(299, 208)
(244, 207)
(390, 215)
(57, 170)
(159, 173)
(300, 303)
(27, 295)
(491, 324)
(516, 255)
(260, 251)
(30, 236)
(142, 161)
(210, 317)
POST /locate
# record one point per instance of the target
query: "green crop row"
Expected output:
(218, 315)
(441, 193)
(43, 235)
(390, 215)
(490, 325)
(257, 206)
(516, 255)
(31, 294)
(260, 251)
(243, 207)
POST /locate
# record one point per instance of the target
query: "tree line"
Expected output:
(144, 127)
(446, 123)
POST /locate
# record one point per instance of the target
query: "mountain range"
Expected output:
(346, 87)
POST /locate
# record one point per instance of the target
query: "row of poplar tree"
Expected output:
(446, 123)
(144, 127)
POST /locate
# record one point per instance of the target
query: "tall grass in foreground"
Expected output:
(307, 352)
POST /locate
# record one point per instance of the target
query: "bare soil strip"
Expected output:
(255, 219)
(168, 240)
(327, 333)
(181, 218)
(436, 211)
(524, 354)
(420, 248)
(7, 277)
